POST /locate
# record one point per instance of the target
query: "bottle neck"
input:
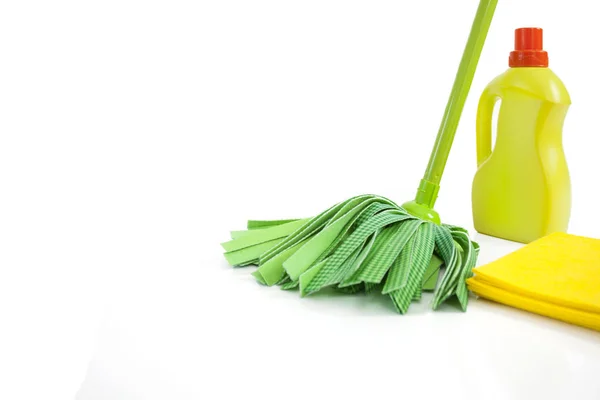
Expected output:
(528, 59)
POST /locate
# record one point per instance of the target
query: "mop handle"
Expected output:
(430, 184)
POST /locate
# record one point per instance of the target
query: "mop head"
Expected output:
(364, 244)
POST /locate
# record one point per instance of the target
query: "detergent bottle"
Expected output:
(522, 190)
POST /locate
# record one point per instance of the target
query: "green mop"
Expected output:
(369, 243)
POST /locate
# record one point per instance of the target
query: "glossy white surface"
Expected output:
(211, 332)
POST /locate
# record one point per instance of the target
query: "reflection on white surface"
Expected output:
(179, 337)
(493, 248)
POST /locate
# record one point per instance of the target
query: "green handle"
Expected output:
(430, 184)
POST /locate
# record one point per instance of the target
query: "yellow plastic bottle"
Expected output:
(522, 190)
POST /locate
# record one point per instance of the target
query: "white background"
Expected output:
(136, 134)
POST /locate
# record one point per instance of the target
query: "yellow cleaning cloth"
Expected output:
(557, 276)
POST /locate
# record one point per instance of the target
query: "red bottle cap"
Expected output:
(529, 49)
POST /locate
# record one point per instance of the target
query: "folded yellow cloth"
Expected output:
(557, 276)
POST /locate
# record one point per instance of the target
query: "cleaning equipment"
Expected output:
(521, 191)
(368, 242)
(557, 276)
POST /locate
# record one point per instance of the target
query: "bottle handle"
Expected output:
(485, 113)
